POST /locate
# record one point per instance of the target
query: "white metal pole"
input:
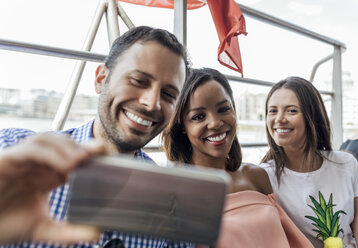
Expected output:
(125, 17)
(112, 21)
(66, 102)
(180, 20)
(336, 112)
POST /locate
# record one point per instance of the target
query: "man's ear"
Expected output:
(101, 77)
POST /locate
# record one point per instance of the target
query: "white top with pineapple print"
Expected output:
(338, 176)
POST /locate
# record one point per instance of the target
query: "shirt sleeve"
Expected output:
(12, 136)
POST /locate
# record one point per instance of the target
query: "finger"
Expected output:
(42, 180)
(59, 152)
(96, 147)
(36, 149)
(75, 153)
(71, 153)
(65, 233)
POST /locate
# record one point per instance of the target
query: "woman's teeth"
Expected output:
(217, 138)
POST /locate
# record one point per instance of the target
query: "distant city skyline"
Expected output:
(43, 104)
(250, 106)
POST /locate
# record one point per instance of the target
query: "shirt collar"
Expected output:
(84, 133)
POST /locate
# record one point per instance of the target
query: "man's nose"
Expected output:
(150, 98)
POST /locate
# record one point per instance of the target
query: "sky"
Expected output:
(268, 53)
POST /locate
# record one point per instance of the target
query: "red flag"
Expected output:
(229, 22)
(169, 4)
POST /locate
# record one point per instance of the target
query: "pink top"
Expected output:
(252, 219)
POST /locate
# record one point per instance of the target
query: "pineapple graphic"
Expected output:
(327, 222)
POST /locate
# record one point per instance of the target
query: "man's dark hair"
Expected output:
(144, 34)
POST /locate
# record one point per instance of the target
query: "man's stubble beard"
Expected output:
(111, 133)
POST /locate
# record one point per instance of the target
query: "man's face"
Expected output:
(138, 98)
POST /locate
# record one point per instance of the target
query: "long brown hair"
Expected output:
(176, 143)
(318, 129)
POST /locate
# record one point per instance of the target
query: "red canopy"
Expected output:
(229, 22)
(169, 4)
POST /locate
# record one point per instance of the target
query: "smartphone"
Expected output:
(182, 202)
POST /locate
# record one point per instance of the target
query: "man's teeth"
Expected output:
(138, 120)
(283, 130)
(217, 138)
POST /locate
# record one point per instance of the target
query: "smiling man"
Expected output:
(138, 87)
(138, 90)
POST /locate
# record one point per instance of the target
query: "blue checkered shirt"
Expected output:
(59, 198)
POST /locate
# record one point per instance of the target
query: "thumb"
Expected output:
(65, 233)
(96, 147)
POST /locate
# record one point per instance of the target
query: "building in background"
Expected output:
(42, 104)
(350, 103)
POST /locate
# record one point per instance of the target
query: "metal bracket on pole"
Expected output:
(315, 67)
(66, 102)
(180, 20)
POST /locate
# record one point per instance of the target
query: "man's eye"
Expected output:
(272, 111)
(137, 81)
(169, 95)
(198, 117)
